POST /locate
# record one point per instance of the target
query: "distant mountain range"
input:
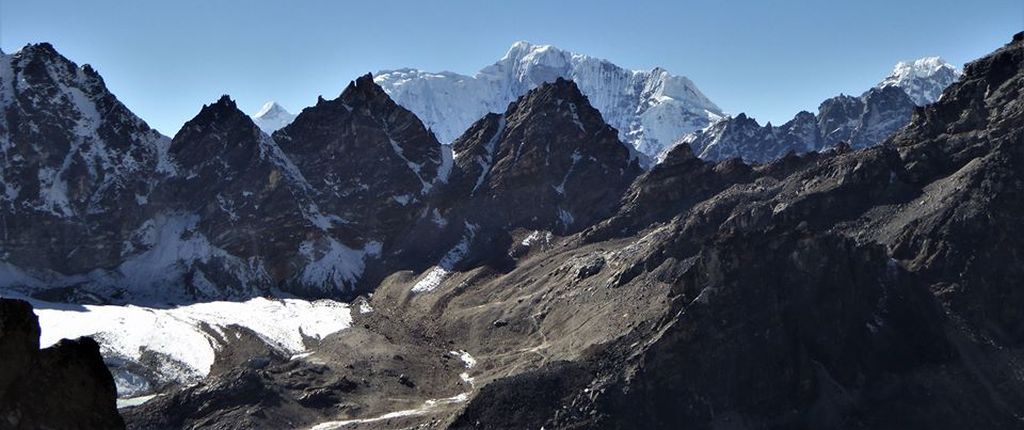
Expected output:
(860, 122)
(653, 110)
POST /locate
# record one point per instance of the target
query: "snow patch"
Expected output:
(334, 266)
(443, 269)
(487, 160)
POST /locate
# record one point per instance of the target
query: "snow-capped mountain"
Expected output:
(650, 109)
(923, 79)
(859, 121)
(272, 117)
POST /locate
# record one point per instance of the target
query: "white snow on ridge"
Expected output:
(186, 350)
(651, 109)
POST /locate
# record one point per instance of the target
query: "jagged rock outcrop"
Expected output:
(63, 386)
(368, 159)
(233, 181)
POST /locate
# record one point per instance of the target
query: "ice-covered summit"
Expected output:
(272, 116)
(922, 79)
(650, 108)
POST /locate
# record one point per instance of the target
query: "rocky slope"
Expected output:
(63, 386)
(858, 121)
(650, 109)
(873, 288)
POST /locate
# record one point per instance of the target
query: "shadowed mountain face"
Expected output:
(63, 386)
(867, 289)
(537, 278)
(548, 162)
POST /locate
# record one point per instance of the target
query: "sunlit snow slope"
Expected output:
(651, 109)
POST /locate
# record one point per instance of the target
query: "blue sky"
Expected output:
(769, 59)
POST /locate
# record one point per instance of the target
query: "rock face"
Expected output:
(549, 162)
(858, 121)
(73, 157)
(63, 386)
(367, 159)
(650, 109)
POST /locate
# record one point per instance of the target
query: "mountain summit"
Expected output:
(272, 117)
(922, 79)
(650, 109)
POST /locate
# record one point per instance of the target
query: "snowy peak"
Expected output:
(923, 79)
(650, 109)
(272, 117)
(270, 108)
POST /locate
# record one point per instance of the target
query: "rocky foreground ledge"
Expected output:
(65, 386)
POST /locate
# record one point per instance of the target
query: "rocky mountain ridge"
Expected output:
(860, 122)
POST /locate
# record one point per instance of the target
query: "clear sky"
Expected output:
(770, 59)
